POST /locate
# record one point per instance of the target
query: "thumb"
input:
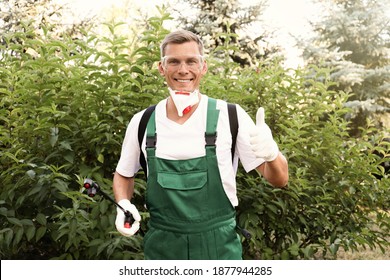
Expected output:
(260, 117)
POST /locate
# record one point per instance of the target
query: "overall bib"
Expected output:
(190, 215)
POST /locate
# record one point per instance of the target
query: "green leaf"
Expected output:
(11, 156)
(73, 225)
(61, 185)
(272, 208)
(18, 235)
(8, 237)
(308, 252)
(285, 255)
(30, 232)
(66, 145)
(3, 211)
(334, 248)
(69, 157)
(40, 233)
(101, 158)
(103, 205)
(15, 221)
(41, 219)
(294, 249)
(53, 139)
(27, 222)
(137, 69)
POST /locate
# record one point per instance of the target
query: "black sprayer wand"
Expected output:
(93, 188)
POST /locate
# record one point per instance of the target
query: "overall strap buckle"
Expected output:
(151, 141)
(210, 138)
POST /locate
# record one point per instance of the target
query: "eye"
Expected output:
(192, 61)
(173, 61)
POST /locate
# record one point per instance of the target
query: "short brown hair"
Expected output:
(180, 37)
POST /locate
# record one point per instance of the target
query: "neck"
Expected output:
(173, 115)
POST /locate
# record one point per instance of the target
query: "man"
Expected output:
(191, 187)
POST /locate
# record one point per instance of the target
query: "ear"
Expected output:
(204, 68)
(161, 69)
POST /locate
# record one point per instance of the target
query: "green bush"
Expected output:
(333, 191)
(335, 197)
(65, 104)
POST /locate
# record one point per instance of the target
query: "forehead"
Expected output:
(187, 48)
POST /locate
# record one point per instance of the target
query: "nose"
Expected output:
(183, 67)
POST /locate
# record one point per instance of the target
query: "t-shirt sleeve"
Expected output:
(128, 163)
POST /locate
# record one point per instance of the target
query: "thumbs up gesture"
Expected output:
(262, 142)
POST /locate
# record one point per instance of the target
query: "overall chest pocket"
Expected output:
(184, 194)
(182, 181)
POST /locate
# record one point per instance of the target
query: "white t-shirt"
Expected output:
(184, 141)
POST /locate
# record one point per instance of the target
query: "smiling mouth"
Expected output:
(183, 81)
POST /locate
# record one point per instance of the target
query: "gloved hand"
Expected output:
(262, 142)
(120, 218)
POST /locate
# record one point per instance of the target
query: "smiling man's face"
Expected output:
(183, 66)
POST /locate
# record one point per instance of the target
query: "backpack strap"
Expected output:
(141, 131)
(233, 121)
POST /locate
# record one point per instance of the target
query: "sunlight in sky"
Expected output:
(291, 18)
(285, 16)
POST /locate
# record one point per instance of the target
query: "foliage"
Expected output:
(353, 39)
(64, 109)
(46, 13)
(65, 105)
(335, 182)
(215, 18)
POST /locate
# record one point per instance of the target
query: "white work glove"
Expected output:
(262, 142)
(120, 218)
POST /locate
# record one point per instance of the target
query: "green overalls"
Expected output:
(190, 215)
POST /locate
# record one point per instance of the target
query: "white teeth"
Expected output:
(184, 81)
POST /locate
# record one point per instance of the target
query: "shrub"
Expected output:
(65, 105)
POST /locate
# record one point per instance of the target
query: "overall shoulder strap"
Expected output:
(211, 124)
(141, 132)
(212, 120)
(233, 121)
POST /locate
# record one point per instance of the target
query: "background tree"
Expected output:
(353, 38)
(14, 15)
(214, 20)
